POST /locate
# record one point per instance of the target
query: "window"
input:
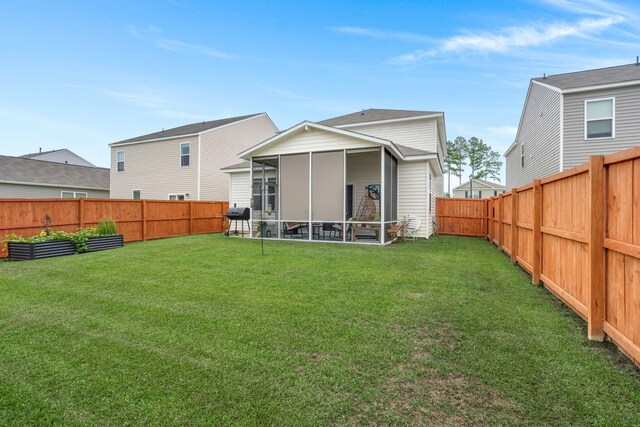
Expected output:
(522, 155)
(177, 196)
(120, 161)
(73, 194)
(599, 118)
(136, 194)
(185, 153)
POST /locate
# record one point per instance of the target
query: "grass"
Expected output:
(205, 330)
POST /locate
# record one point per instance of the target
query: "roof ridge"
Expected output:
(52, 162)
(584, 71)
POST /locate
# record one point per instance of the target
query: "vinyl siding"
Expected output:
(419, 134)
(486, 192)
(412, 193)
(627, 125)
(23, 191)
(315, 140)
(154, 169)
(220, 148)
(63, 156)
(539, 130)
(240, 189)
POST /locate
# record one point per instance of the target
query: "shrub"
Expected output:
(106, 227)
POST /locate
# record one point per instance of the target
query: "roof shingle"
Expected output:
(601, 76)
(374, 115)
(15, 169)
(185, 130)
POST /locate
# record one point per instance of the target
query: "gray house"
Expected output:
(568, 117)
(28, 178)
(481, 189)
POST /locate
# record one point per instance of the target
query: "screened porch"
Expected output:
(347, 196)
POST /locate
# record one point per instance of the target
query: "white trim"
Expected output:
(251, 196)
(74, 194)
(199, 165)
(38, 184)
(513, 145)
(134, 190)
(475, 181)
(124, 161)
(307, 124)
(548, 86)
(381, 198)
(310, 225)
(189, 144)
(278, 195)
(184, 196)
(561, 133)
(603, 86)
(402, 119)
(613, 118)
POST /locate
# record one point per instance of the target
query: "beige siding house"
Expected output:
(481, 189)
(62, 155)
(28, 178)
(346, 178)
(184, 163)
(568, 117)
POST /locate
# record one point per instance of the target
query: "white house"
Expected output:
(344, 179)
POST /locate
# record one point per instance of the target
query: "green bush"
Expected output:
(106, 227)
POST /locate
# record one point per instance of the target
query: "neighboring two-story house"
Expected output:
(481, 189)
(62, 155)
(345, 178)
(184, 163)
(568, 117)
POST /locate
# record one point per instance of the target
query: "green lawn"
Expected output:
(205, 330)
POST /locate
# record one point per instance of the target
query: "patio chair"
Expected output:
(293, 229)
(414, 225)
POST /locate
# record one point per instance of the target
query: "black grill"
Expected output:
(236, 214)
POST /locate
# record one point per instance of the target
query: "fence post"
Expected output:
(190, 218)
(537, 234)
(514, 225)
(596, 249)
(144, 220)
(81, 213)
(486, 219)
(500, 233)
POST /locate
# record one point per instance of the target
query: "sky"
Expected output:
(81, 75)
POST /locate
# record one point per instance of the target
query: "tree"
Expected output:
(454, 162)
(484, 162)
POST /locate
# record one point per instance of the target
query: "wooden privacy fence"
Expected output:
(136, 219)
(577, 232)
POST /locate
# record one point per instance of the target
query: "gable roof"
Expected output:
(81, 161)
(375, 115)
(186, 130)
(622, 74)
(487, 184)
(29, 171)
(246, 154)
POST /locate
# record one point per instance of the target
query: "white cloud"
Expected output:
(144, 99)
(384, 34)
(178, 46)
(512, 38)
(152, 33)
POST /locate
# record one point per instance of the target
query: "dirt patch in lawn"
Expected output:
(420, 394)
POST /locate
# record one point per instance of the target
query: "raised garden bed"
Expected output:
(22, 251)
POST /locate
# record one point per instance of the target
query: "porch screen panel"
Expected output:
(327, 194)
(390, 187)
(294, 187)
